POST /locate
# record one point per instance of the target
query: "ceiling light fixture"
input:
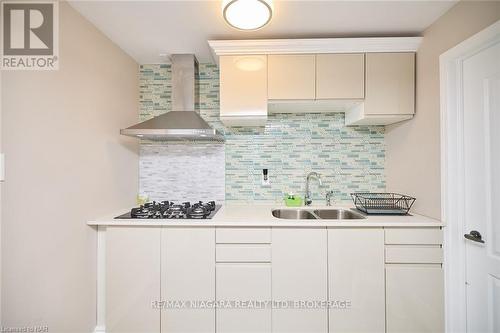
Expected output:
(247, 14)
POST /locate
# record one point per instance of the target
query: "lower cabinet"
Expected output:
(187, 275)
(283, 279)
(243, 282)
(356, 280)
(150, 271)
(132, 279)
(300, 275)
(414, 280)
(414, 298)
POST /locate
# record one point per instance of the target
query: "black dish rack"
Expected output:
(383, 203)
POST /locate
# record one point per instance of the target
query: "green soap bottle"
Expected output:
(292, 200)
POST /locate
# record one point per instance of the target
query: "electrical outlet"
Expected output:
(265, 178)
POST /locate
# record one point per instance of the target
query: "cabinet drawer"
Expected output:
(408, 254)
(413, 236)
(243, 235)
(243, 253)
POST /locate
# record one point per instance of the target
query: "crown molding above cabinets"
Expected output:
(313, 46)
(372, 80)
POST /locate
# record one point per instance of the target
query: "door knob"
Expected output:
(474, 236)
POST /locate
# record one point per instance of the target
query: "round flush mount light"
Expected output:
(247, 14)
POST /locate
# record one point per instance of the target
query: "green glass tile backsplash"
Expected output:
(290, 145)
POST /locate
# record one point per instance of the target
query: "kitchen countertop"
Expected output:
(259, 215)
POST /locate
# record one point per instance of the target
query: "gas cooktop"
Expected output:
(171, 210)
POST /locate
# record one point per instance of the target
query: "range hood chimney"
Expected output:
(183, 123)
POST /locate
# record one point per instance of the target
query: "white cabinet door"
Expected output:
(132, 279)
(414, 298)
(243, 90)
(243, 282)
(188, 274)
(292, 76)
(340, 76)
(356, 275)
(390, 84)
(299, 274)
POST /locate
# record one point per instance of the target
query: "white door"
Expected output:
(481, 109)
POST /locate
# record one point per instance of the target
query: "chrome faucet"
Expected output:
(328, 198)
(307, 197)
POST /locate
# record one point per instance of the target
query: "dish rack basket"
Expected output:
(383, 203)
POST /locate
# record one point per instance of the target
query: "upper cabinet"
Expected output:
(372, 80)
(314, 77)
(390, 83)
(340, 76)
(243, 90)
(291, 77)
(390, 90)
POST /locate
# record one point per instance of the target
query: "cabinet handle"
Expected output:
(474, 236)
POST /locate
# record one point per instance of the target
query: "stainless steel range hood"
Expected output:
(183, 123)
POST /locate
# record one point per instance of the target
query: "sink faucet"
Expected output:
(328, 198)
(307, 197)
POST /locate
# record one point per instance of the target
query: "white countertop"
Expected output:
(259, 215)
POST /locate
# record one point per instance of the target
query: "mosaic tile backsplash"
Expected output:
(180, 173)
(290, 145)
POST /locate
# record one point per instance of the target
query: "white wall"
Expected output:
(65, 163)
(413, 147)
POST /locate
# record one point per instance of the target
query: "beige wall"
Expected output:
(65, 163)
(413, 147)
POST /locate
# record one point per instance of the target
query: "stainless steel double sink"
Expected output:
(316, 214)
